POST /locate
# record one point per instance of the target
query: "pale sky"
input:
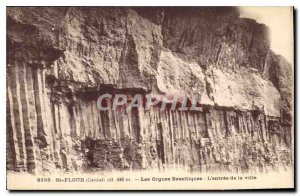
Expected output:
(280, 21)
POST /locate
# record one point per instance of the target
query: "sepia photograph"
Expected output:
(149, 98)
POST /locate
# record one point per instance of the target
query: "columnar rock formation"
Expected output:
(60, 60)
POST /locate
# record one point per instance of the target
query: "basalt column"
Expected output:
(16, 115)
(30, 145)
(43, 117)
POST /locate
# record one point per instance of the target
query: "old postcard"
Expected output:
(150, 98)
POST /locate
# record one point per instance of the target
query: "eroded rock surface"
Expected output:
(60, 60)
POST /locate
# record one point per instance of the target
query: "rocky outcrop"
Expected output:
(60, 60)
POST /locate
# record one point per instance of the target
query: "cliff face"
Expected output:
(60, 60)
